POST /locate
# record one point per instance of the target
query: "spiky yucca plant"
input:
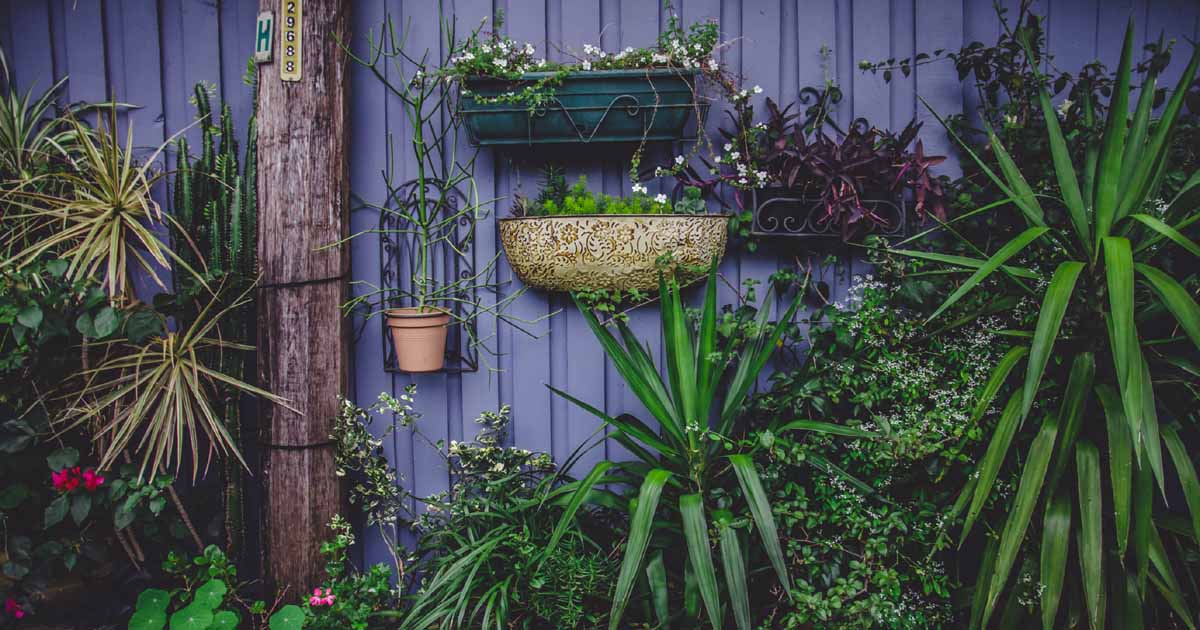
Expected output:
(1126, 358)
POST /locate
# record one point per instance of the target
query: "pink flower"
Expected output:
(319, 599)
(11, 607)
(91, 480)
(59, 479)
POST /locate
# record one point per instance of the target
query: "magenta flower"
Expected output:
(319, 599)
(13, 609)
(92, 480)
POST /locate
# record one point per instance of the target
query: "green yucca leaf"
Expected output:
(1120, 461)
(963, 261)
(989, 466)
(979, 592)
(1165, 581)
(1142, 523)
(1135, 145)
(1028, 490)
(695, 535)
(1023, 195)
(577, 499)
(1167, 231)
(1056, 547)
(1153, 157)
(733, 563)
(1112, 147)
(1091, 155)
(1009, 250)
(827, 428)
(640, 528)
(996, 380)
(1090, 542)
(1071, 412)
(1054, 306)
(1176, 298)
(1187, 474)
(627, 425)
(760, 511)
(656, 576)
(706, 345)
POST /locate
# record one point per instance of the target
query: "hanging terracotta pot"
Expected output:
(419, 338)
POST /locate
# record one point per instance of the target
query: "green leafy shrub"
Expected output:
(556, 199)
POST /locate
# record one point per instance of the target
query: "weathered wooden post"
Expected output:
(303, 338)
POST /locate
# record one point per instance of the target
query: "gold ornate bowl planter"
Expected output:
(608, 251)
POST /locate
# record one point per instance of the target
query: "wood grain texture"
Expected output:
(303, 338)
(304, 123)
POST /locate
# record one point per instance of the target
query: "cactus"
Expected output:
(214, 205)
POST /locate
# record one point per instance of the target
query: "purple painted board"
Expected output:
(31, 57)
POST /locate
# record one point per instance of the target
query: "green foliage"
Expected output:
(1093, 245)
(347, 599)
(864, 520)
(207, 598)
(683, 463)
(556, 199)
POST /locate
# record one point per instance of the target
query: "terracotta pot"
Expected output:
(419, 338)
(609, 251)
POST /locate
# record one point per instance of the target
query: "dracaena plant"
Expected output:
(678, 464)
(1119, 325)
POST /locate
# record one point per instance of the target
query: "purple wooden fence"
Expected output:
(150, 53)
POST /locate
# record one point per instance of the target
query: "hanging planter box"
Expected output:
(576, 252)
(790, 212)
(598, 106)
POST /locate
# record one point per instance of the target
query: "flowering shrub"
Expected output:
(490, 54)
(865, 520)
(347, 599)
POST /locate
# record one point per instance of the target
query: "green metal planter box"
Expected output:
(598, 106)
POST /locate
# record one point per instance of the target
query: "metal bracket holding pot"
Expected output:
(453, 259)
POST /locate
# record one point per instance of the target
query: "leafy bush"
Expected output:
(556, 199)
(864, 520)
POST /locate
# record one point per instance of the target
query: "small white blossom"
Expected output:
(639, 188)
(679, 159)
(757, 90)
(660, 198)
(528, 49)
(587, 65)
(500, 62)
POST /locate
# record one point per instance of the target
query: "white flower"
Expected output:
(735, 155)
(761, 175)
(713, 64)
(717, 159)
(658, 58)
(757, 90)
(1065, 107)
(528, 49)
(743, 94)
(628, 50)
(589, 49)
(639, 189)
(499, 467)
(541, 63)
(660, 198)
(500, 62)
(679, 159)
(728, 146)
(487, 48)
(587, 65)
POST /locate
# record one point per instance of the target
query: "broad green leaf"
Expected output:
(733, 563)
(1120, 462)
(1175, 600)
(1056, 546)
(656, 577)
(989, 466)
(679, 350)
(1112, 146)
(1153, 446)
(56, 511)
(760, 511)
(210, 594)
(1135, 144)
(1186, 472)
(192, 617)
(290, 617)
(224, 620)
(81, 506)
(1118, 263)
(1163, 229)
(65, 457)
(1143, 512)
(706, 343)
(636, 430)
(1176, 299)
(1165, 580)
(699, 549)
(1028, 491)
(979, 592)
(30, 316)
(148, 620)
(153, 599)
(640, 529)
(1054, 306)
(1090, 534)
(1009, 250)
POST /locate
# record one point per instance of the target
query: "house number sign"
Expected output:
(291, 14)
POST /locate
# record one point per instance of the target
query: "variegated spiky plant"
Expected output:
(215, 206)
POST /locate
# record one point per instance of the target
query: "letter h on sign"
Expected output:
(264, 35)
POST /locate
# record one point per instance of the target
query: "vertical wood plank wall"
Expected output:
(151, 52)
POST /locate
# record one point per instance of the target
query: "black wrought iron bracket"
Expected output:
(800, 216)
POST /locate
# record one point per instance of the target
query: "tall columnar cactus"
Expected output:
(215, 206)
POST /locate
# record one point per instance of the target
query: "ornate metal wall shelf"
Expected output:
(453, 260)
(788, 212)
(611, 106)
